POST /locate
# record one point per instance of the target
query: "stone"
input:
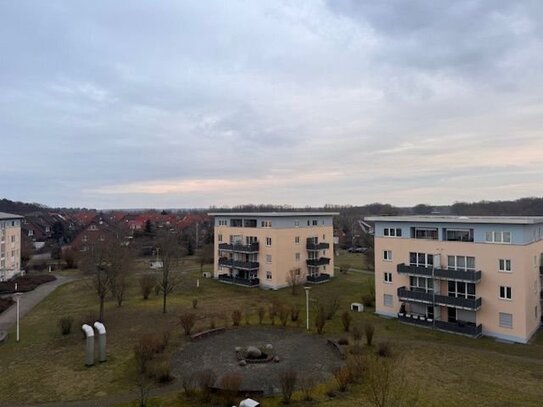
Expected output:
(269, 346)
(243, 362)
(276, 359)
(238, 349)
(253, 352)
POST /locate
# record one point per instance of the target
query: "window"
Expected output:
(505, 293)
(12, 239)
(387, 300)
(421, 284)
(266, 223)
(388, 277)
(268, 258)
(506, 320)
(425, 233)
(236, 223)
(297, 223)
(315, 222)
(323, 237)
(223, 222)
(461, 289)
(461, 262)
(387, 255)
(393, 232)
(268, 275)
(498, 237)
(421, 259)
(297, 256)
(297, 240)
(505, 265)
(268, 241)
(459, 235)
(219, 238)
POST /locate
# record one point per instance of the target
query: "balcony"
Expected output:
(443, 300)
(241, 265)
(321, 278)
(469, 276)
(321, 261)
(463, 328)
(239, 248)
(246, 282)
(312, 246)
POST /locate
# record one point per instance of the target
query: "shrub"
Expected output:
(346, 319)
(187, 321)
(357, 333)
(343, 341)
(307, 384)
(320, 320)
(144, 351)
(356, 349)
(369, 330)
(188, 382)
(194, 303)
(368, 300)
(65, 325)
(26, 283)
(236, 317)
(357, 366)
(344, 377)
(384, 349)
(161, 372)
(295, 314)
(287, 381)
(330, 305)
(164, 340)
(206, 379)
(147, 283)
(261, 313)
(283, 315)
(230, 383)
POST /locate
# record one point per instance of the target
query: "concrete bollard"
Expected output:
(101, 329)
(89, 347)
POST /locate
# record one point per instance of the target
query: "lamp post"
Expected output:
(17, 296)
(307, 288)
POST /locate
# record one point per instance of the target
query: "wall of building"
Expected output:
(10, 248)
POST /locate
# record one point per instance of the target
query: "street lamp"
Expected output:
(307, 288)
(17, 296)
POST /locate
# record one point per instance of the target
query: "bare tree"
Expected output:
(144, 386)
(96, 263)
(206, 256)
(287, 381)
(121, 266)
(387, 383)
(295, 279)
(147, 283)
(170, 252)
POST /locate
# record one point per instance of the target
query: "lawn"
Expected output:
(352, 260)
(449, 370)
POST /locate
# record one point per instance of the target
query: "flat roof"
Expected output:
(272, 214)
(4, 216)
(515, 220)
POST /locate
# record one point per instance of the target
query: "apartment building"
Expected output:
(468, 275)
(261, 249)
(10, 245)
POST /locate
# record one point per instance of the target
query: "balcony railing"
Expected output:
(464, 328)
(312, 246)
(238, 247)
(321, 261)
(241, 265)
(472, 304)
(470, 276)
(249, 282)
(320, 278)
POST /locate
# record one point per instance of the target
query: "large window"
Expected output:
(425, 233)
(505, 265)
(421, 284)
(505, 292)
(393, 232)
(421, 259)
(461, 289)
(498, 237)
(459, 235)
(461, 262)
(236, 223)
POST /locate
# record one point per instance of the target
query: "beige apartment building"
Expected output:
(469, 275)
(261, 249)
(10, 246)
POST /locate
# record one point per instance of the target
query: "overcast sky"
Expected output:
(119, 104)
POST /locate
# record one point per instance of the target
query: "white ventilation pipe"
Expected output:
(101, 329)
(89, 347)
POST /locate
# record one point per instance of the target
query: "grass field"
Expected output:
(450, 370)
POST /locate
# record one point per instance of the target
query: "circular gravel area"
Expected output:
(307, 354)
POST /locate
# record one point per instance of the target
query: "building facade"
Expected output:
(468, 275)
(266, 249)
(10, 246)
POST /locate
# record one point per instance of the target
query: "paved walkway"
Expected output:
(29, 300)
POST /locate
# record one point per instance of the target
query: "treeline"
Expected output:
(519, 207)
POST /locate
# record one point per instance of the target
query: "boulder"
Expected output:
(253, 352)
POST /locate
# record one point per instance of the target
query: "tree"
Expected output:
(170, 252)
(70, 258)
(148, 228)
(96, 264)
(295, 278)
(206, 256)
(121, 265)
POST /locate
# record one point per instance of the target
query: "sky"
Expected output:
(172, 104)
